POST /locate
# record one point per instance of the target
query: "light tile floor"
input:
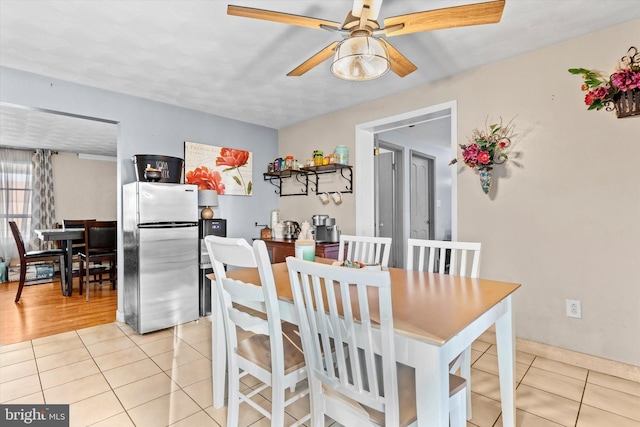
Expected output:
(113, 377)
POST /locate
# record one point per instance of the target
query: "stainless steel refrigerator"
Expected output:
(160, 233)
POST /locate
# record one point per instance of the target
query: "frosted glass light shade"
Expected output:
(361, 58)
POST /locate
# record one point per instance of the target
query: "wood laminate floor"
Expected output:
(44, 311)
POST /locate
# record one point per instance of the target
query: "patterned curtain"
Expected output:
(43, 212)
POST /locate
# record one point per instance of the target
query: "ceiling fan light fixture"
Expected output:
(360, 58)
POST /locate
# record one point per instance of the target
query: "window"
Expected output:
(15, 197)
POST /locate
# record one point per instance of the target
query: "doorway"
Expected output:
(445, 182)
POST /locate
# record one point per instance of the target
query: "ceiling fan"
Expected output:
(363, 54)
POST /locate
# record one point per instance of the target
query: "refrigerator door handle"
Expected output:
(169, 225)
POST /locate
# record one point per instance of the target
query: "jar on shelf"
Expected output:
(278, 164)
(342, 154)
(288, 162)
(318, 158)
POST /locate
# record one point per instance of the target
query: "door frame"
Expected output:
(364, 173)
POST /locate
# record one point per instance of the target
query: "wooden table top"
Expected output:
(428, 306)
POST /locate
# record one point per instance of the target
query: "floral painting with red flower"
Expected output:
(227, 170)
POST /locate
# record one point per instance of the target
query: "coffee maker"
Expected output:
(325, 228)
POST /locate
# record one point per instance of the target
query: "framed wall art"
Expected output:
(227, 170)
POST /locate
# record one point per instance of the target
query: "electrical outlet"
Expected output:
(574, 308)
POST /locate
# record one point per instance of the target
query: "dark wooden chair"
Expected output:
(100, 246)
(30, 257)
(77, 245)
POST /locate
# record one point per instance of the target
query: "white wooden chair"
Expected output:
(369, 250)
(360, 383)
(455, 258)
(272, 352)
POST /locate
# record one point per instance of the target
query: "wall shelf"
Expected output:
(310, 175)
(275, 179)
(316, 171)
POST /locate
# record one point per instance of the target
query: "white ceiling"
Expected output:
(192, 54)
(28, 128)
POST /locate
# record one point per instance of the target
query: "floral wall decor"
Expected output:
(227, 170)
(619, 91)
(486, 148)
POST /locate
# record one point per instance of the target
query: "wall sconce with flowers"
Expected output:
(620, 91)
(487, 148)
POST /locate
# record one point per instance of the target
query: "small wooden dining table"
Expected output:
(66, 236)
(435, 317)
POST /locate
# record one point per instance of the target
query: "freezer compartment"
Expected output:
(167, 278)
(166, 203)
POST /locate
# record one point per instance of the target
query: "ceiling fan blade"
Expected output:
(450, 17)
(285, 18)
(315, 60)
(399, 63)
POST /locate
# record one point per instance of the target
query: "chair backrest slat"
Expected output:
(445, 257)
(368, 250)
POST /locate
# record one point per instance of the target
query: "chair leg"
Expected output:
(63, 276)
(233, 400)
(277, 407)
(86, 293)
(465, 372)
(457, 411)
(23, 276)
(80, 273)
(113, 274)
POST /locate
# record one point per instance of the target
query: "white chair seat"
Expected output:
(257, 349)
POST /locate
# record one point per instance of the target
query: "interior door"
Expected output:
(421, 199)
(388, 190)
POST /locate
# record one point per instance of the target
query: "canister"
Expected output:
(318, 158)
(288, 162)
(342, 154)
(305, 249)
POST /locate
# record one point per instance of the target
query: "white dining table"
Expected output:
(66, 236)
(435, 318)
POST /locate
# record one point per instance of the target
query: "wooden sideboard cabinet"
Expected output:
(279, 249)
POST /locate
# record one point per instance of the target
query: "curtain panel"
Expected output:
(43, 212)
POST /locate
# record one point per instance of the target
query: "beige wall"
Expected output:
(84, 189)
(564, 218)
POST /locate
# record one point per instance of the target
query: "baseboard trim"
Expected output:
(595, 363)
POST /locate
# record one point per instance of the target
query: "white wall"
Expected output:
(83, 188)
(563, 218)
